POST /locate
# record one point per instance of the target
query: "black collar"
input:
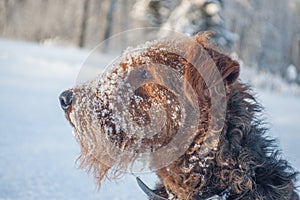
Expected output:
(148, 191)
(222, 196)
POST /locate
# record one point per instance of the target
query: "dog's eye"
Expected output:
(143, 74)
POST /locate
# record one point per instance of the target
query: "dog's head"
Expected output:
(153, 103)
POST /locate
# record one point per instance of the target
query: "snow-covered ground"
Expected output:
(38, 151)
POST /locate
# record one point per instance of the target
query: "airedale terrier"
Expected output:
(236, 161)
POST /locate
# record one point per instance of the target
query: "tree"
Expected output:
(109, 19)
(83, 28)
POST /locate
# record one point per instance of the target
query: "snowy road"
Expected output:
(37, 149)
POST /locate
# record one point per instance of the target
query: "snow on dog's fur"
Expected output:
(243, 161)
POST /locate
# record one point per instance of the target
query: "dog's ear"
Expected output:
(229, 69)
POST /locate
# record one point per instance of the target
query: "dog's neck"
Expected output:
(153, 196)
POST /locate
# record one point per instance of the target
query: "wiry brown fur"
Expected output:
(244, 160)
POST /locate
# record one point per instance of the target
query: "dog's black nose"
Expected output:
(65, 99)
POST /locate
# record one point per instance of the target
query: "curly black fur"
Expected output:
(246, 161)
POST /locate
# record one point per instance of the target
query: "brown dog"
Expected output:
(225, 155)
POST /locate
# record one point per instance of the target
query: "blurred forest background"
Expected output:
(265, 34)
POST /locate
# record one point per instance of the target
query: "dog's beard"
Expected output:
(95, 130)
